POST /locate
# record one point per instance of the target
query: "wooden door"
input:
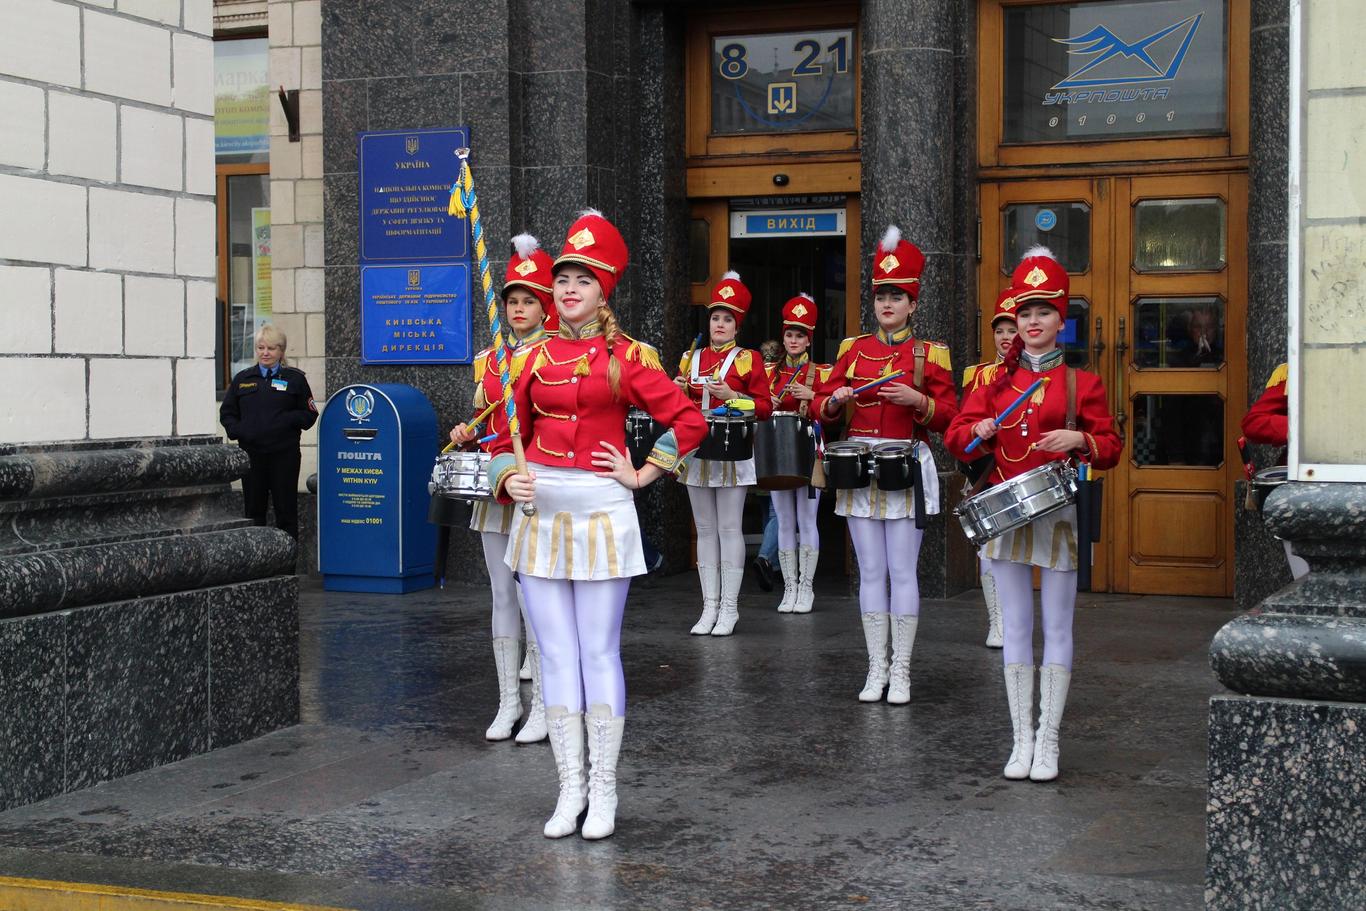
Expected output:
(1158, 282)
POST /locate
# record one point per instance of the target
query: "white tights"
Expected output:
(888, 550)
(716, 511)
(1015, 592)
(796, 513)
(507, 611)
(578, 629)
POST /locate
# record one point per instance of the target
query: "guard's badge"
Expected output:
(1036, 277)
(889, 262)
(525, 267)
(582, 238)
(726, 293)
(799, 311)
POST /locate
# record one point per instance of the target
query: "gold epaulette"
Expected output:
(1278, 376)
(969, 373)
(481, 365)
(744, 361)
(938, 355)
(823, 371)
(848, 343)
(643, 353)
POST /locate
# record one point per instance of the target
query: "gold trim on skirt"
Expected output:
(584, 529)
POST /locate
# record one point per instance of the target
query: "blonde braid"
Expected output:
(610, 331)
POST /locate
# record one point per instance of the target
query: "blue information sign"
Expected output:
(405, 184)
(415, 314)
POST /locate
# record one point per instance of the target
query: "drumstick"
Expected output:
(795, 371)
(478, 419)
(687, 359)
(1011, 408)
(878, 382)
(488, 439)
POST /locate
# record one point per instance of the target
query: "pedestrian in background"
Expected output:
(266, 408)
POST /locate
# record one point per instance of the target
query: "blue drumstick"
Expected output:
(783, 392)
(886, 379)
(1011, 409)
(488, 439)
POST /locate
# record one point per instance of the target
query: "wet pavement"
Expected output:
(751, 777)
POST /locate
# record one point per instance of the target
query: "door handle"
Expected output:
(1121, 346)
(1098, 347)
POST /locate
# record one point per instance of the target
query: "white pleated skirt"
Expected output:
(1049, 542)
(871, 503)
(697, 472)
(584, 529)
(489, 515)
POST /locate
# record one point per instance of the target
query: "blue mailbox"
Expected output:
(376, 447)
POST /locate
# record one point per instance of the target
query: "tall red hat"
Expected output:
(731, 294)
(1040, 278)
(898, 263)
(800, 313)
(529, 267)
(1005, 306)
(595, 243)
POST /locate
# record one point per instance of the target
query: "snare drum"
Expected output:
(784, 452)
(1017, 501)
(730, 438)
(463, 475)
(892, 465)
(848, 465)
(1265, 481)
(641, 433)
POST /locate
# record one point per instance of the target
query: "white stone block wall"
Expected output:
(107, 238)
(296, 192)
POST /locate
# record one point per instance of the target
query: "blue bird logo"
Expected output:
(1107, 45)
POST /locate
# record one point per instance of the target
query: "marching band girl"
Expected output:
(1003, 333)
(717, 373)
(526, 302)
(792, 384)
(577, 552)
(1268, 422)
(1035, 434)
(882, 523)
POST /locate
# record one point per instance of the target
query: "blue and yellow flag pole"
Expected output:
(465, 204)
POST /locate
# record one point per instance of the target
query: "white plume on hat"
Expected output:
(591, 212)
(525, 245)
(731, 276)
(891, 239)
(807, 296)
(1039, 250)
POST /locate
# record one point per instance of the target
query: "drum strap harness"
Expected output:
(721, 375)
(989, 461)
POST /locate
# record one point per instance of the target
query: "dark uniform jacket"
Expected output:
(267, 414)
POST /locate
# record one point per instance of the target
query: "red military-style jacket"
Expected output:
(808, 374)
(866, 358)
(488, 382)
(746, 375)
(1046, 410)
(565, 405)
(1268, 420)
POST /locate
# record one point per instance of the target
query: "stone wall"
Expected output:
(107, 254)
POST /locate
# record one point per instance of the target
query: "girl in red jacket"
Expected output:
(882, 523)
(526, 303)
(792, 385)
(1268, 422)
(577, 552)
(719, 373)
(1034, 435)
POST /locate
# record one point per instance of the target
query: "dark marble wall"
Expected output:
(1267, 295)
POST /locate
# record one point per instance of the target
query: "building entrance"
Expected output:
(1158, 271)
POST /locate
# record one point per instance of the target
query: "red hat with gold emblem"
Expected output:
(898, 263)
(1040, 278)
(596, 244)
(529, 268)
(731, 294)
(1005, 306)
(800, 313)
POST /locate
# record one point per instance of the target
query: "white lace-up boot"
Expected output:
(1053, 683)
(731, 578)
(994, 639)
(711, 599)
(1020, 697)
(604, 747)
(875, 635)
(566, 742)
(533, 729)
(903, 640)
(787, 562)
(506, 651)
(806, 597)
